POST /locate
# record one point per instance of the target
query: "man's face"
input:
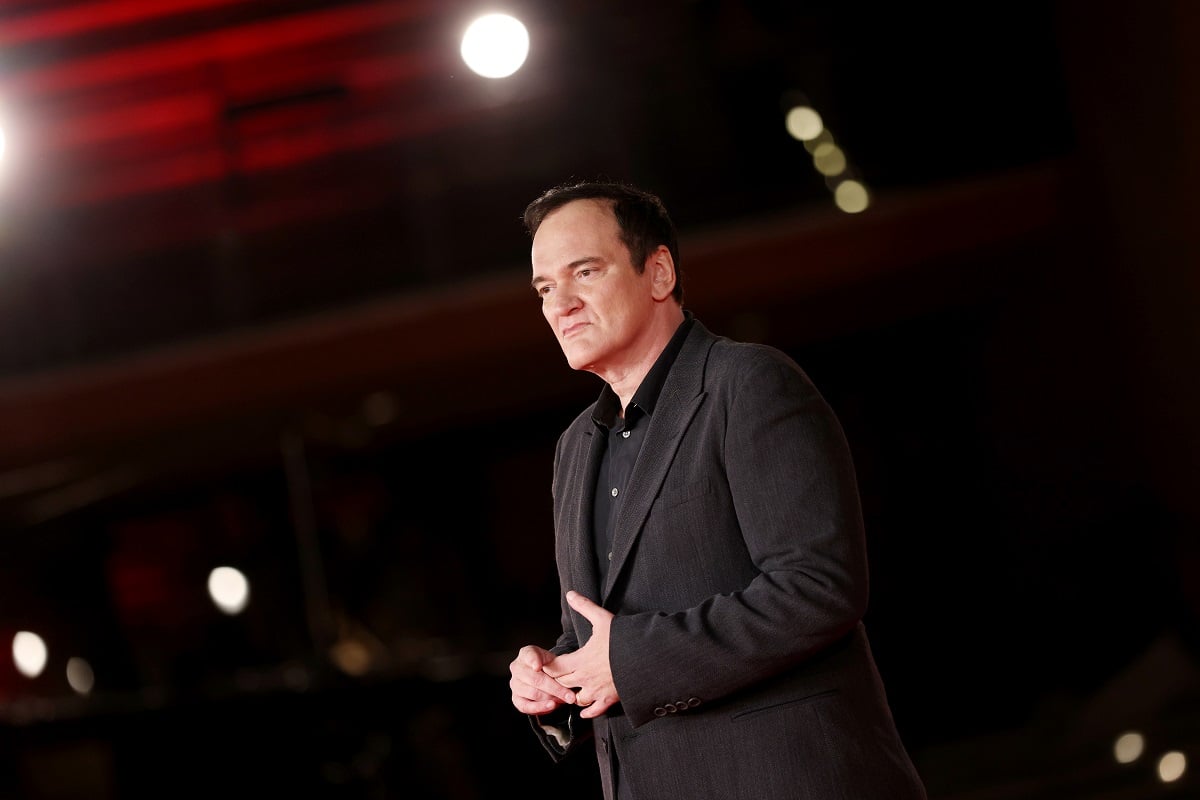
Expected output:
(594, 300)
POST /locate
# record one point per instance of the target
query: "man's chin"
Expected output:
(578, 360)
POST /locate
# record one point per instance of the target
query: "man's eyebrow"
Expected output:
(579, 262)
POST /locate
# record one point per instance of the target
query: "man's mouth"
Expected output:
(573, 329)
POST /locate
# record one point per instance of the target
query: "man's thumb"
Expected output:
(580, 603)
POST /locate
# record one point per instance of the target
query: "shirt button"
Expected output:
(624, 434)
(614, 491)
(610, 555)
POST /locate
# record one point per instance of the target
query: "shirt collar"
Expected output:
(608, 406)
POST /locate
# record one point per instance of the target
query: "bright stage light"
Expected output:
(495, 45)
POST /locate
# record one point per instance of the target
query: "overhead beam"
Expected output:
(428, 341)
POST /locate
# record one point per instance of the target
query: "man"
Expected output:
(709, 542)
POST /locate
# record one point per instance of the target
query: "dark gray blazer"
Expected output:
(739, 579)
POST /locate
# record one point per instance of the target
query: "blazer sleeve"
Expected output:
(792, 498)
(561, 731)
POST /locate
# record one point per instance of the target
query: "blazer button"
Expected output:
(693, 702)
(660, 712)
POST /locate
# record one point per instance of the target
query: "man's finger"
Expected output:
(560, 667)
(546, 683)
(594, 709)
(583, 605)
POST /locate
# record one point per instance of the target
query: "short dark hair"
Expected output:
(641, 216)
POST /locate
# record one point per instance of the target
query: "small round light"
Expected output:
(1129, 747)
(229, 589)
(29, 653)
(804, 123)
(851, 197)
(828, 159)
(80, 676)
(1171, 766)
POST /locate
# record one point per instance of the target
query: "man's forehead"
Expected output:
(584, 207)
(577, 221)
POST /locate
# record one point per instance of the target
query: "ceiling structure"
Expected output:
(179, 169)
(199, 176)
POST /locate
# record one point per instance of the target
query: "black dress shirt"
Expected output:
(623, 436)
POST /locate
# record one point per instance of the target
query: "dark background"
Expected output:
(264, 302)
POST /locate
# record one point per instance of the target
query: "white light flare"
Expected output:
(495, 45)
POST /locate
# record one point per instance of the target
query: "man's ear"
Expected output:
(661, 266)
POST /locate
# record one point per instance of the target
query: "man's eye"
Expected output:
(542, 291)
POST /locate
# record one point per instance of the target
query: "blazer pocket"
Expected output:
(685, 493)
(783, 704)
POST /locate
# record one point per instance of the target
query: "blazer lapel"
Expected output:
(682, 394)
(585, 462)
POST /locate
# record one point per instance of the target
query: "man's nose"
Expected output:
(564, 299)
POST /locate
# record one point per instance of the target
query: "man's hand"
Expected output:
(587, 668)
(533, 690)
